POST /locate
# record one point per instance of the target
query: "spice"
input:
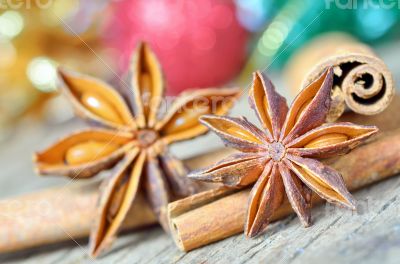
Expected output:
(221, 213)
(362, 81)
(39, 216)
(129, 130)
(58, 214)
(281, 158)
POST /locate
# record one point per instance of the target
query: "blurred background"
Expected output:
(200, 43)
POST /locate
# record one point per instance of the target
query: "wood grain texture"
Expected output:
(372, 236)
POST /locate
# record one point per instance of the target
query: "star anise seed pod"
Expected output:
(128, 128)
(281, 157)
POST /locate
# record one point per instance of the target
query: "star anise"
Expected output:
(281, 157)
(130, 129)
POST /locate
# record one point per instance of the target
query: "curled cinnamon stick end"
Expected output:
(362, 81)
(210, 216)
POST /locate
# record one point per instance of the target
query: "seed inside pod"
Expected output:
(117, 198)
(241, 133)
(89, 151)
(326, 140)
(267, 119)
(302, 108)
(146, 89)
(101, 107)
(186, 119)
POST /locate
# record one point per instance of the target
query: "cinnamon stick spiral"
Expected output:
(362, 81)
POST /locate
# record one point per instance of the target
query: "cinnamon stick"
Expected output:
(56, 215)
(362, 81)
(216, 214)
(63, 213)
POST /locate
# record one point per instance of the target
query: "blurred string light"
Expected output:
(11, 24)
(298, 21)
(375, 22)
(275, 35)
(277, 32)
(42, 72)
(253, 14)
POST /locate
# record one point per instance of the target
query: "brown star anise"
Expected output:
(281, 158)
(130, 129)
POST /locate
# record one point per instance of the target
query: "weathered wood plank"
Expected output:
(371, 236)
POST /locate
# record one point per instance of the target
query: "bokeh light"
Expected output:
(42, 73)
(11, 24)
(375, 22)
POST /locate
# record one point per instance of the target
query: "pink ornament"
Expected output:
(200, 43)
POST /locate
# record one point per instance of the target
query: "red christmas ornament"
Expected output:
(200, 43)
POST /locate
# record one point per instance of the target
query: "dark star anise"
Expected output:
(130, 127)
(280, 158)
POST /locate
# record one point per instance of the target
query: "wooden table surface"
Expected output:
(372, 235)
